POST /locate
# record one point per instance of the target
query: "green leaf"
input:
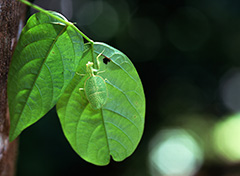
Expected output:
(115, 129)
(43, 64)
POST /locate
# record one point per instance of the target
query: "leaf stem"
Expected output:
(57, 18)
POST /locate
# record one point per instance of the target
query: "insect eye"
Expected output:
(106, 60)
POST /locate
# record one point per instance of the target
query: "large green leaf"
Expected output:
(43, 64)
(115, 129)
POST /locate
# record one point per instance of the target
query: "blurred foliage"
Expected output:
(185, 51)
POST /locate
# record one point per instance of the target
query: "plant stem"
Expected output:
(57, 18)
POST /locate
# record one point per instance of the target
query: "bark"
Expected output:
(12, 17)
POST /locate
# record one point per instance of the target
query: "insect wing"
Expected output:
(96, 91)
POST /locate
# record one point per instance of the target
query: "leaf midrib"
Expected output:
(20, 114)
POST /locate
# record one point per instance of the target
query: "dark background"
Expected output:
(187, 54)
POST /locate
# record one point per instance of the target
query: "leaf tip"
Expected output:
(13, 134)
(11, 138)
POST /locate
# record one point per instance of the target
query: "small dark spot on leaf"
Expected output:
(53, 52)
(106, 60)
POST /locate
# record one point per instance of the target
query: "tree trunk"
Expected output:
(12, 17)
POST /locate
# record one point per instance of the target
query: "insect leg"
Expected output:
(80, 74)
(101, 71)
(98, 64)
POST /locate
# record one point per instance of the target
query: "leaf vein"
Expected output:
(34, 82)
(50, 73)
(121, 130)
(126, 97)
(89, 139)
(110, 110)
(119, 143)
(39, 90)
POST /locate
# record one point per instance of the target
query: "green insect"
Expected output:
(95, 87)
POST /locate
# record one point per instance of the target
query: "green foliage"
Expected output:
(43, 64)
(117, 127)
(42, 74)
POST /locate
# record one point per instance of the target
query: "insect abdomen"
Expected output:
(96, 91)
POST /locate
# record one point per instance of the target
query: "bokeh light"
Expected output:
(230, 86)
(62, 6)
(174, 152)
(187, 55)
(66, 8)
(226, 138)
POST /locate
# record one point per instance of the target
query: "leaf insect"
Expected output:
(95, 87)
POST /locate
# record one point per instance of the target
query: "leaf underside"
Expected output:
(43, 64)
(115, 129)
